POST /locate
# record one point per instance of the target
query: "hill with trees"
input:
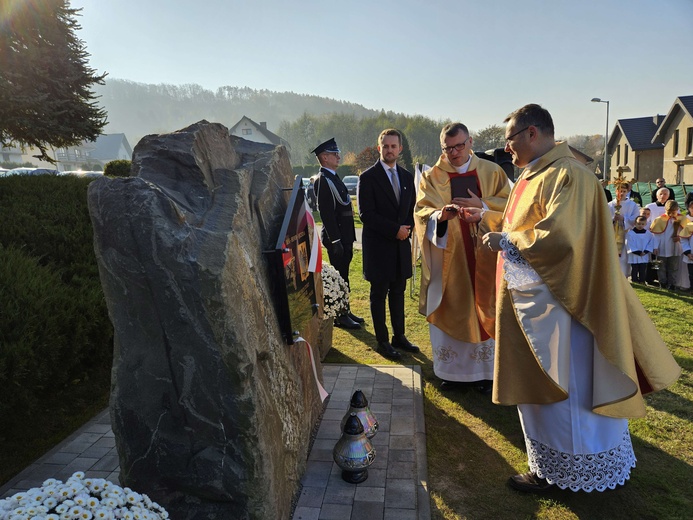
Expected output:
(138, 109)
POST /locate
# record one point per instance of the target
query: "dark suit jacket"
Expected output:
(635, 197)
(337, 220)
(385, 257)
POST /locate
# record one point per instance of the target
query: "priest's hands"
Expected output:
(492, 241)
(468, 202)
(471, 215)
(448, 212)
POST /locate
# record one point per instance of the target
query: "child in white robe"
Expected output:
(687, 256)
(639, 245)
(666, 229)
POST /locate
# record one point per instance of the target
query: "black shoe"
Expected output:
(345, 322)
(529, 483)
(485, 387)
(357, 319)
(386, 350)
(401, 342)
(447, 386)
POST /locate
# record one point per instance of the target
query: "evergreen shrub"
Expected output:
(118, 168)
(54, 326)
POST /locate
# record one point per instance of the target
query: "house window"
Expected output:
(618, 155)
(78, 154)
(625, 154)
(676, 142)
(247, 131)
(689, 141)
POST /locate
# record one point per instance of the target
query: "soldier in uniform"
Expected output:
(334, 205)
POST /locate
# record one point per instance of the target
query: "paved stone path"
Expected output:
(396, 488)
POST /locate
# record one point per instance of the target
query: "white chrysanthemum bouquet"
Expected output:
(80, 498)
(335, 292)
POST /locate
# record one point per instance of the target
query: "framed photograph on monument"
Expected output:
(293, 284)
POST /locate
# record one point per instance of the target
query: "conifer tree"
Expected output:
(45, 80)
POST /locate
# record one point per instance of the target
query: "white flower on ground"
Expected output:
(335, 292)
(82, 499)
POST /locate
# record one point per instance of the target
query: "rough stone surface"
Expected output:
(211, 410)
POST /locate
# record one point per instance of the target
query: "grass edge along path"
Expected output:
(473, 446)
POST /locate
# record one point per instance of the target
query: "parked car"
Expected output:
(19, 171)
(43, 171)
(350, 181)
(83, 173)
(310, 194)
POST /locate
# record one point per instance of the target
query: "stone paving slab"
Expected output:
(396, 488)
(90, 449)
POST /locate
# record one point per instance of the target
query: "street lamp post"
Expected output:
(606, 135)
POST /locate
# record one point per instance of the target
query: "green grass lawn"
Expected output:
(474, 446)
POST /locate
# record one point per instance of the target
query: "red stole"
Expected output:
(469, 241)
(507, 220)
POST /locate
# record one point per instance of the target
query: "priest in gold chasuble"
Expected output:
(457, 293)
(575, 349)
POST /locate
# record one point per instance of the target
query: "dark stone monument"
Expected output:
(211, 409)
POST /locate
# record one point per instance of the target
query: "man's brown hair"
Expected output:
(532, 115)
(389, 131)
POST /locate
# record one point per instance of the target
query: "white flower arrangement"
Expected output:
(335, 292)
(80, 498)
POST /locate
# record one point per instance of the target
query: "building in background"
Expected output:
(633, 154)
(675, 134)
(106, 148)
(11, 154)
(87, 155)
(256, 132)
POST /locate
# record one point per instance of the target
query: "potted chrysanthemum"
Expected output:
(80, 498)
(335, 293)
(335, 301)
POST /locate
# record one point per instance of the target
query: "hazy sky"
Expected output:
(468, 60)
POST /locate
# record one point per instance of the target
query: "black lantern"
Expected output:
(359, 406)
(353, 452)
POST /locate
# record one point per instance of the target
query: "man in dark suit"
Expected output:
(334, 205)
(386, 198)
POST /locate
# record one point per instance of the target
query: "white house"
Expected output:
(106, 148)
(258, 133)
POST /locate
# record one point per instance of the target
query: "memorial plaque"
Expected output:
(297, 255)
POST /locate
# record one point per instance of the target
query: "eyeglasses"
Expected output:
(509, 138)
(458, 147)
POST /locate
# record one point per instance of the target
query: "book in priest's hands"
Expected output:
(460, 185)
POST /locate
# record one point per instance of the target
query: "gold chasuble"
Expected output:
(467, 309)
(557, 219)
(659, 225)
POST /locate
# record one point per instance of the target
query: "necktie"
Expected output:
(395, 182)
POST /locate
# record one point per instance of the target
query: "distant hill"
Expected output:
(138, 109)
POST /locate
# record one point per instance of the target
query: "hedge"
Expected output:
(54, 326)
